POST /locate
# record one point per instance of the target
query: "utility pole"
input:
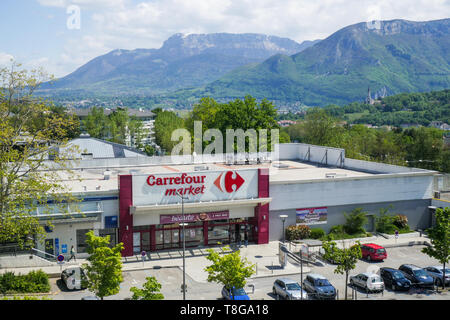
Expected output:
(184, 245)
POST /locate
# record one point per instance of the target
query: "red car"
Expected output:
(371, 251)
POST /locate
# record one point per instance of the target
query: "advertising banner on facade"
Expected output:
(308, 216)
(194, 186)
(193, 217)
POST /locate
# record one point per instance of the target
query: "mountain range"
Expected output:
(183, 61)
(397, 56)
(390, 57)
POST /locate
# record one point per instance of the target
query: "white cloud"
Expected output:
(5, 59)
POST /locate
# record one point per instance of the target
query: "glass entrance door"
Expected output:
(141, 241)
(145, 241)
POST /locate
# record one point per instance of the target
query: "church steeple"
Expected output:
(369, 99)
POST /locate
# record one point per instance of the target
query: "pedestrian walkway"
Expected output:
(265, 257)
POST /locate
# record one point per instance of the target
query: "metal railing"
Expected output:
(45, 255)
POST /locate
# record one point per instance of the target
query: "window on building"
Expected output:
(112, 233)
(81, 240)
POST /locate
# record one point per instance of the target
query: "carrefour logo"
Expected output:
(229, 181)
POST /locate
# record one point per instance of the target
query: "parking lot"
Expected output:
(396, 257)
(171, 280)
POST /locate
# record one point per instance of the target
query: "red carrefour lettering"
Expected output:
(184, 179)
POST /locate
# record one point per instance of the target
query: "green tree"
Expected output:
(320, 128)
(96, 123)
(150, 291)
(229, 270)
(165, 123)
(440, 239)
(355, 221)
(345, 258)
(118, 122)
(30, 131)
(104, 267)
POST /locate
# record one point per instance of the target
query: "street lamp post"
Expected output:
(184, 244)
(283, 218)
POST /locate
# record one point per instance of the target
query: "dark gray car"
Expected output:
(437, 273)
(319, 287)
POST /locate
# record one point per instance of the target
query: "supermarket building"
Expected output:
(143, 201)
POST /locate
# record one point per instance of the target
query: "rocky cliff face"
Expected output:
(182, 61)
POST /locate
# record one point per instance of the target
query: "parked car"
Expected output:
(394, 279)
(319, 287)
(368, 281)
(437, 273)
(73, 278)
(418, 276)
(289, 289)
(372, 251)
(234, 294)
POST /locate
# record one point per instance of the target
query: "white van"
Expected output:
(72, 277)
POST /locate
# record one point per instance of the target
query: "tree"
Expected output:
(165, 123)
(320, 128)
(355, 221)
(118, 122)
(151, 290)
(440, 239)
(104, 270)
(96, 123)
(230, 270)
(345, 258)
(31, 132)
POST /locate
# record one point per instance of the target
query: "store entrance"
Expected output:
(198, 234)
(141, 241)
(170, 236)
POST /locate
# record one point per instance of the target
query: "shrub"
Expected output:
(297, 232)
(401, 221)
(355, 221)
(317, 233)
(384, 223)
(33, 282)
(337, 229)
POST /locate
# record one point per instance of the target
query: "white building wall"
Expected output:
(347, 191)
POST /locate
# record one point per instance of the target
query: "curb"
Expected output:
(408, 244)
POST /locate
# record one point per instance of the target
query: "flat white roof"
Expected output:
(93, 179)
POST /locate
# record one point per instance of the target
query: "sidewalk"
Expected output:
(264, 256)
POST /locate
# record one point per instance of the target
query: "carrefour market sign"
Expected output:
(196, 186)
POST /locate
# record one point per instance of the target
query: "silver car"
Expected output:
(368, 281)
(437, 272)
(289, 289)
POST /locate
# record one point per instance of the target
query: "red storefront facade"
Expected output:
(224, 207)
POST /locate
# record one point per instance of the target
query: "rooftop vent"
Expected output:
(280, 165)
(334, 175)
(107, 175)
(87, 156)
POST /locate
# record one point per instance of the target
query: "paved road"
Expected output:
(171, 280)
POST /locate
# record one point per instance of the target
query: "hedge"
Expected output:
(33, 282)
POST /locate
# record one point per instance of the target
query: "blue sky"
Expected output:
(35, 32)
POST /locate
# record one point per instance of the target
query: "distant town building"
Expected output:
(440, 125)
(286, 123)
(146, 116)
